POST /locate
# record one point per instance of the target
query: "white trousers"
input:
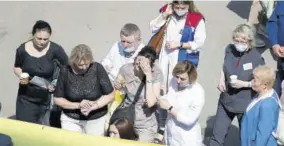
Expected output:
(92, 127)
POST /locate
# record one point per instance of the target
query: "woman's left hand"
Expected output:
(164, 103)
(50, 88)
(86, 111)
(145, 66)
(172, 45)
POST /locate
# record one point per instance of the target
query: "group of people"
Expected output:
(160, 86)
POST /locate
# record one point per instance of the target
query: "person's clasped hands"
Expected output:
(86, 106)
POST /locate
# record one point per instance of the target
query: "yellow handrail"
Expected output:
(27, 134)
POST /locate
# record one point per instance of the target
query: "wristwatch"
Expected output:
(249, 84)
(149, 81)
(181, 44)
(170, 108)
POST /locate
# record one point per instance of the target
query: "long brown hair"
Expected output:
(191, 6)
(125, 129)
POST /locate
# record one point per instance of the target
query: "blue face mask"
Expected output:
(181, 12)
(184, 85)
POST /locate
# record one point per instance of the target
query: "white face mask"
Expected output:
(130, 49)
(181, 12)
(241, 47)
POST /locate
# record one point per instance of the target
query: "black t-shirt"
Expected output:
(38, 66)
(90, 86)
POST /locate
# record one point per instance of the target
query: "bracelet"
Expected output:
(171, 107)
(249, 84)
(181, 44)
(160, 131)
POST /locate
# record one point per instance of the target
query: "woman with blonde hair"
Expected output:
(261, 116)
(235, 81)
(83, 92)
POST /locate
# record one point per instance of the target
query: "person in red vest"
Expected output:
(184, 37)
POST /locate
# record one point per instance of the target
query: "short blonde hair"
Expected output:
(265, 74)
(79, 53)
(186, 67)
(247, 31)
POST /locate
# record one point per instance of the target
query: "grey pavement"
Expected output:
(97, 24)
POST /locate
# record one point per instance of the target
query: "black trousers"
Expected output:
(222, 124)
(278, 81)
(31, 112)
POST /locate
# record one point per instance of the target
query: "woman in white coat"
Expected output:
(184, 103)
(185, 35)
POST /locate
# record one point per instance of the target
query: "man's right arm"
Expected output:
(272, 28)
(107, 62)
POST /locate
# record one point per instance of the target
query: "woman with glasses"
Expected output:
(235, 81)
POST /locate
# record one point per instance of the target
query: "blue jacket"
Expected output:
(260, 121)
(5, 140)
(275, 25)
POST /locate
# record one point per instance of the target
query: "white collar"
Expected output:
(256, 100)
(121, 50)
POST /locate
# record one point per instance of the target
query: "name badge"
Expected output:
(247, 66)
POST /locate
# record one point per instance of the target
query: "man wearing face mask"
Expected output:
(123, 51)
(241, 58)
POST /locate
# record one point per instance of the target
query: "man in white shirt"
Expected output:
(123, 51)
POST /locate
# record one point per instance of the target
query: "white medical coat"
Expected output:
(184, 130)
(116, 59)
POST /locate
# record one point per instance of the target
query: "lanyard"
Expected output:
(238, 63)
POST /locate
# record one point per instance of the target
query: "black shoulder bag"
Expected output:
(55, 111)
(128, 112)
